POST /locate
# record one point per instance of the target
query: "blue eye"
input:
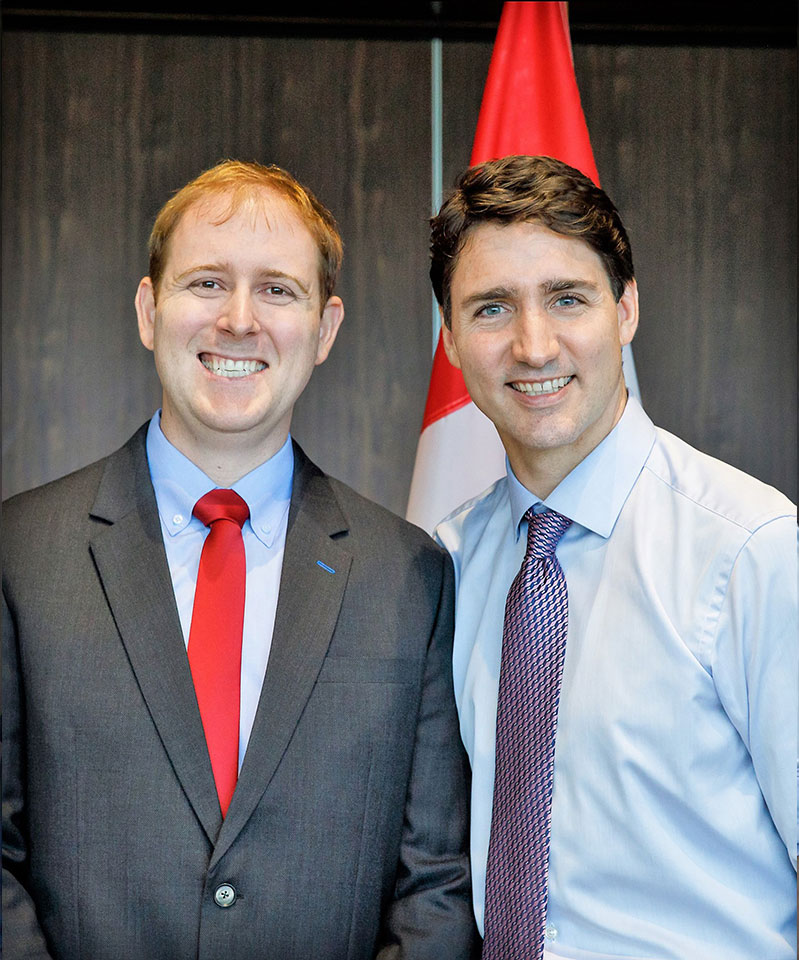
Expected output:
(491, 310)
(567, 300)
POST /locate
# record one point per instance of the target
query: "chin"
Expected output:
(544, 436)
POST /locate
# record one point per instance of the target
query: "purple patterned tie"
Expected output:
(533, 649)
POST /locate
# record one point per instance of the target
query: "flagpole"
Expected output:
(437, 151)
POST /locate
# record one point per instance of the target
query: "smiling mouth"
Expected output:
(539, 387)
(227, 367)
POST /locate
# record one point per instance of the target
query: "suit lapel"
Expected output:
(308, 607)
(131, 562)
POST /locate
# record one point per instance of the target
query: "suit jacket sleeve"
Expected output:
(23, 936)
(433, 888)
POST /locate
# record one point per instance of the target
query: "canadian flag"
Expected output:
(531, 105)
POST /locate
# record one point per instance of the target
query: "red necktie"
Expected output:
(217, 622)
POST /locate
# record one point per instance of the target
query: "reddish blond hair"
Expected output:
(242, 181)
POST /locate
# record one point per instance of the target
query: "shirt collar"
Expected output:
(179, 484)
(593, 494)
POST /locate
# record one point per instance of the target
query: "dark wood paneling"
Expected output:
(697, 148)
(363, 412)
(464, 69)
(98, 130)
(71, 259)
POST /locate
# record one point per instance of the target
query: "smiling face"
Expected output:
(236, 327)
(538, 336)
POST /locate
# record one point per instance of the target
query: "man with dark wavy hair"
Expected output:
(626, 628)
(237, 743)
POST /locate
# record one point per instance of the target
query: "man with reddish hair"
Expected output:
(229, 721)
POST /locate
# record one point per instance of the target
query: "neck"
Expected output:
(540, 473)
(225, 471)
(225, 457)
(540, 470)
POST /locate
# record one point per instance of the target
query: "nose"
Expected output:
(238, 316)
(535, 342)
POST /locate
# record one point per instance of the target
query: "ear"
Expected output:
(145, 311)
(332, 315)
(449, 342)
(627, 309)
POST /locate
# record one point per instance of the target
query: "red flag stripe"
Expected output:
(447, 391)
(531, 103)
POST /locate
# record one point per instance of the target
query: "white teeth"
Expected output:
(539, 387)
(226, 367)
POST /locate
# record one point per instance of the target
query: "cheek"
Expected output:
(598, 354)
(483, 356)
(175, 331)
(297, 344)
(611, 351)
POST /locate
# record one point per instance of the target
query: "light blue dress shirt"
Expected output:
(179, 484)
(674, 801)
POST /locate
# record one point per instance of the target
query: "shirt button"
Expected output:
(224, 895)
(178, 518)
(551, 932)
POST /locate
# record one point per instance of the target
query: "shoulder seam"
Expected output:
(749, 528)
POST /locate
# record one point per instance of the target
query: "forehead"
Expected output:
(257, 223)
(520, 253)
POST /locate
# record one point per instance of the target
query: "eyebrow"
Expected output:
(557, 285)
(226, 268)
(554, 285)
(494, 293)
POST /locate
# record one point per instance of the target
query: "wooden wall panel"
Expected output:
(697, 148)
(75, 378)
(98, 130)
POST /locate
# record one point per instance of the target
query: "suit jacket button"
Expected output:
(224, 895)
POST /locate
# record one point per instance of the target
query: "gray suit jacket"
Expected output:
(346, 834)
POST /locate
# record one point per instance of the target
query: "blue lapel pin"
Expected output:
(324, 566)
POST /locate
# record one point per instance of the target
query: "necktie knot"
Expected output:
(221, 504)
(544, 532)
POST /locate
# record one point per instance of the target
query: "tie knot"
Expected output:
(221, 505)
(544, 532)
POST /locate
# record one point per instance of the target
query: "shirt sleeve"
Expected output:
(755, 664)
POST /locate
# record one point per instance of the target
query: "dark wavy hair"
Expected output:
(528, 189)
